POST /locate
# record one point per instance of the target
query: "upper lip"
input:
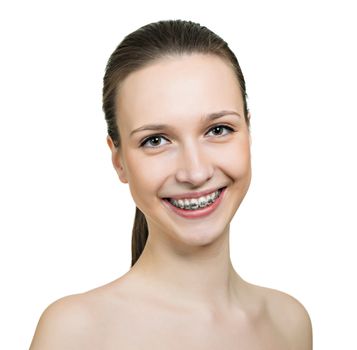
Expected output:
(190, 195)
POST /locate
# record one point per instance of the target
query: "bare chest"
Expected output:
(148, 331)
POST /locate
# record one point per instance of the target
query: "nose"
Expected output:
(194, 166)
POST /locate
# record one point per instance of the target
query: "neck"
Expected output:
(198, 277)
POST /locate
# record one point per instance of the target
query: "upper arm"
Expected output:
(63, 325)
(300, 327)
(294, 321)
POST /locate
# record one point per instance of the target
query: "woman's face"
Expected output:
(174, 143)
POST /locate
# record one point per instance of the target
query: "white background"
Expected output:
(66, 219)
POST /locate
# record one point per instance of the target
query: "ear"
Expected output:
(250, 136)
(117, 160)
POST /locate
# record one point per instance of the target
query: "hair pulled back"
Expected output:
(140, 48)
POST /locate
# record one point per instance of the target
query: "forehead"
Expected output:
(178, 87)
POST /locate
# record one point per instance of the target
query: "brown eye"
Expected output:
(218, 129)
(152, 141)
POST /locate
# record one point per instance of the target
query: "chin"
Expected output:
(201, 235)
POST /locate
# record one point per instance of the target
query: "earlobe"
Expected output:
(248, 116)
(117, 161)
(250, 136)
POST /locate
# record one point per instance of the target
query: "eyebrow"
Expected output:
(209, 117)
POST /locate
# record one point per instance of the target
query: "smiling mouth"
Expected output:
(191, 204)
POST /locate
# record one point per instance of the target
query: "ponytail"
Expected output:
(140, 234)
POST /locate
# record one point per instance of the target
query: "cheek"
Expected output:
(145, 176)
(236, 162)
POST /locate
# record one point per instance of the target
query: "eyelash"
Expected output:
(142, 144)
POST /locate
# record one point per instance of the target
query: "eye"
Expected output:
(153, 140)
(218, 129)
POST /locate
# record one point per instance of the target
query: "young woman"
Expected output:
(174, 99)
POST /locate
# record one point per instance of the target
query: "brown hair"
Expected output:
(142, 47)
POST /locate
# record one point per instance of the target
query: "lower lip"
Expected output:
(198, 213)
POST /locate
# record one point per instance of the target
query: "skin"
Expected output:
(183, 292)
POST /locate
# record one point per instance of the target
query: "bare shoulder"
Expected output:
(290, 317)
(80, 321)
(64, 324)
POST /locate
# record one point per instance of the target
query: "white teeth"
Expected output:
(181, 203)
(202, 202)
(195, 203)
(187, 203)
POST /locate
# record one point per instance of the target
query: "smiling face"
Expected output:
(182, 130)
